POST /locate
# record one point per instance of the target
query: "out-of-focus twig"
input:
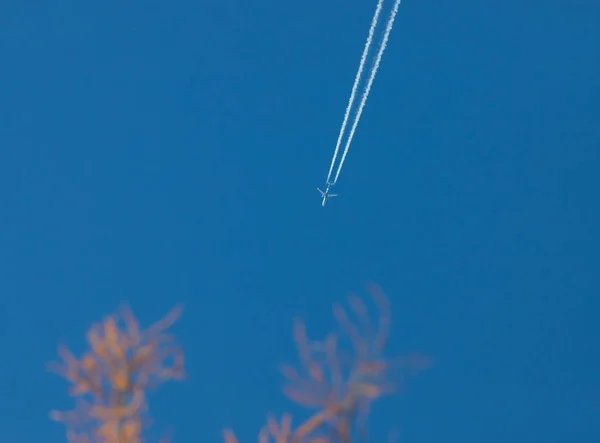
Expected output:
(341, 375)
(110, 380)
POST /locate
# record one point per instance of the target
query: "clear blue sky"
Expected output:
(158, 152)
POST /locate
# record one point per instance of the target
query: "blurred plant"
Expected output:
(112, 378)
(340, 376)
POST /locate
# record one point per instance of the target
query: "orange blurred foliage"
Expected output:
(340, 376)
(112, 378)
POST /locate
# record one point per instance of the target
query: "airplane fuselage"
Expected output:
(326, 194)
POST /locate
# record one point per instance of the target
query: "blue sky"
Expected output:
(162, 152)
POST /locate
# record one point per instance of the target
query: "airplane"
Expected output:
(326, 194)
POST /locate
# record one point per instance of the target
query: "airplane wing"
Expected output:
(332, 195)
(322, 193)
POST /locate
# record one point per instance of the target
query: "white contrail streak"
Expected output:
(386, 36)
(361, 67)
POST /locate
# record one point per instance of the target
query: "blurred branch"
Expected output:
(341, 375)
(110, 380)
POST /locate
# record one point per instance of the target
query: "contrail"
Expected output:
(361, 67)
(386, 36)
